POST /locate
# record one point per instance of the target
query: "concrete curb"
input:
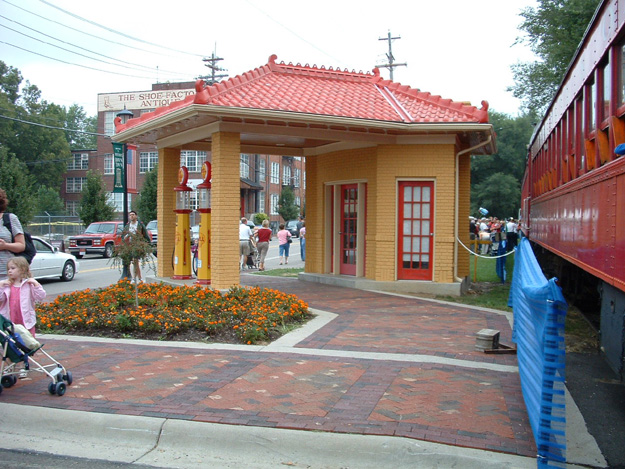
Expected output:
(187, 444)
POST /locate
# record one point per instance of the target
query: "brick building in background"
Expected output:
(262, 176)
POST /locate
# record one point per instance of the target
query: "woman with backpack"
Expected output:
(11, 242)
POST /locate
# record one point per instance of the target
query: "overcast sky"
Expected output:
(459, 49)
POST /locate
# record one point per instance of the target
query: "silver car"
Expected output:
(49, 262)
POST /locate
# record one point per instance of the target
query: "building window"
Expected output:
(79, 161)
(296, 177)
(298, 201)
(192, 160)
(108, 164)
(117, 200)
(286, 175)
(261, 202)
(74, 185)
(262, 170)
(274, 204)
(71, 207)
(147, 161)
(244, 170)
(109, 122)
(275, 173)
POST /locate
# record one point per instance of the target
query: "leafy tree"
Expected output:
(48, 200)
(76, 119)
(500, 193)
(513, 133)
(146, 207)
(286, 204)
(18, 185)
(259, 218)
(554, 29)
(94, 205)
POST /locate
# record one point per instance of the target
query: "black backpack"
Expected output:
(29, 250)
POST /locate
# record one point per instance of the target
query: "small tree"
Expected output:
(133, 247)
(49, 200)
(94, 205)
(286, 204)
(18, 185)
(146, 208)
(259, 218)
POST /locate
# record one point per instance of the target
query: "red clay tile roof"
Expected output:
(321, 91)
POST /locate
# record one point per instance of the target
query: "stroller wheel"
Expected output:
(60, 388)
(68, 377)
(8, 381)
(52, 388)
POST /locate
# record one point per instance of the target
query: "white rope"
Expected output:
(484, 257)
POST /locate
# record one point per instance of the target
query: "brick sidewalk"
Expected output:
(457, 400)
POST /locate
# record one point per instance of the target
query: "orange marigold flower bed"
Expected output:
(241, 315)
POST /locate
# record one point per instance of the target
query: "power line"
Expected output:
(53, 127)
(115, 31)
(126, 64)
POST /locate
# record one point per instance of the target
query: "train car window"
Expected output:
(606, 93)
(621, 74)
(579, 132)
(592, 110)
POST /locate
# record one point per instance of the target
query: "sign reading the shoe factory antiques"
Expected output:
(143, 100)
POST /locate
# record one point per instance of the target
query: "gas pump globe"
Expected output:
(182, 248)
(204, 241)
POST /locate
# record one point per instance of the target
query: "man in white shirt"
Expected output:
(245, 236)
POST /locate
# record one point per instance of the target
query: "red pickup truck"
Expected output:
(100, 237)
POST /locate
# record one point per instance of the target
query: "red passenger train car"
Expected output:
(573, 207)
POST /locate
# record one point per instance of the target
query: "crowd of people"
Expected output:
(495, 231)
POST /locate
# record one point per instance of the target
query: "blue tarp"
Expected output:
(538, 330)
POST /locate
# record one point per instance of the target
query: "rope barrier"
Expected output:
(484, 257)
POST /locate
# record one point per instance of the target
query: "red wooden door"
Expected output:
(415, 228)
(349, 219)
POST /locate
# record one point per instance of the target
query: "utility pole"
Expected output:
(211, 63)
(391, 60)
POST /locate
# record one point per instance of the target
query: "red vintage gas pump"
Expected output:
(204, 242)
(182, 248)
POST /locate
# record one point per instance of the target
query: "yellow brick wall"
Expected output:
(225, 210)
(168, 165)
(464, 208)
(382, 167)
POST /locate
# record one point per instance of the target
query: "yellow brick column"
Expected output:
(168, 165)
(226, 210)
(464, 208)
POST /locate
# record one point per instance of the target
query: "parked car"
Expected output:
(100, 237)
(291, 226)
(152, 228)
(49, 262)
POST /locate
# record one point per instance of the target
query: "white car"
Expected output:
(49, 262)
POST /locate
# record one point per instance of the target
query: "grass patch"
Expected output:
(281, 272)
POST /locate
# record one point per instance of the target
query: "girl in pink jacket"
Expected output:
(19, 293)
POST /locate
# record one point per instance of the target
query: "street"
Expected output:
(97, 272)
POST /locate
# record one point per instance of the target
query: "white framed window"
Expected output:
(192, 159)
(244, 169)
(147, 161)
(108, 164)
(74, 185)
(78, 161)
(298, 201)
(117, 200)
(109, 122)
(262, 171)
(286, 175)
(296, 177)
(71, 207)
(274, 204)
(261, 202)
(275, 172)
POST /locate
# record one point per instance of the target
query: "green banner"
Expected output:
(118, 162)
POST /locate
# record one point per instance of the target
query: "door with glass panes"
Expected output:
(416, 230)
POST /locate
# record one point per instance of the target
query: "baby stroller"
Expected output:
(252, 258)
(15, 351)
